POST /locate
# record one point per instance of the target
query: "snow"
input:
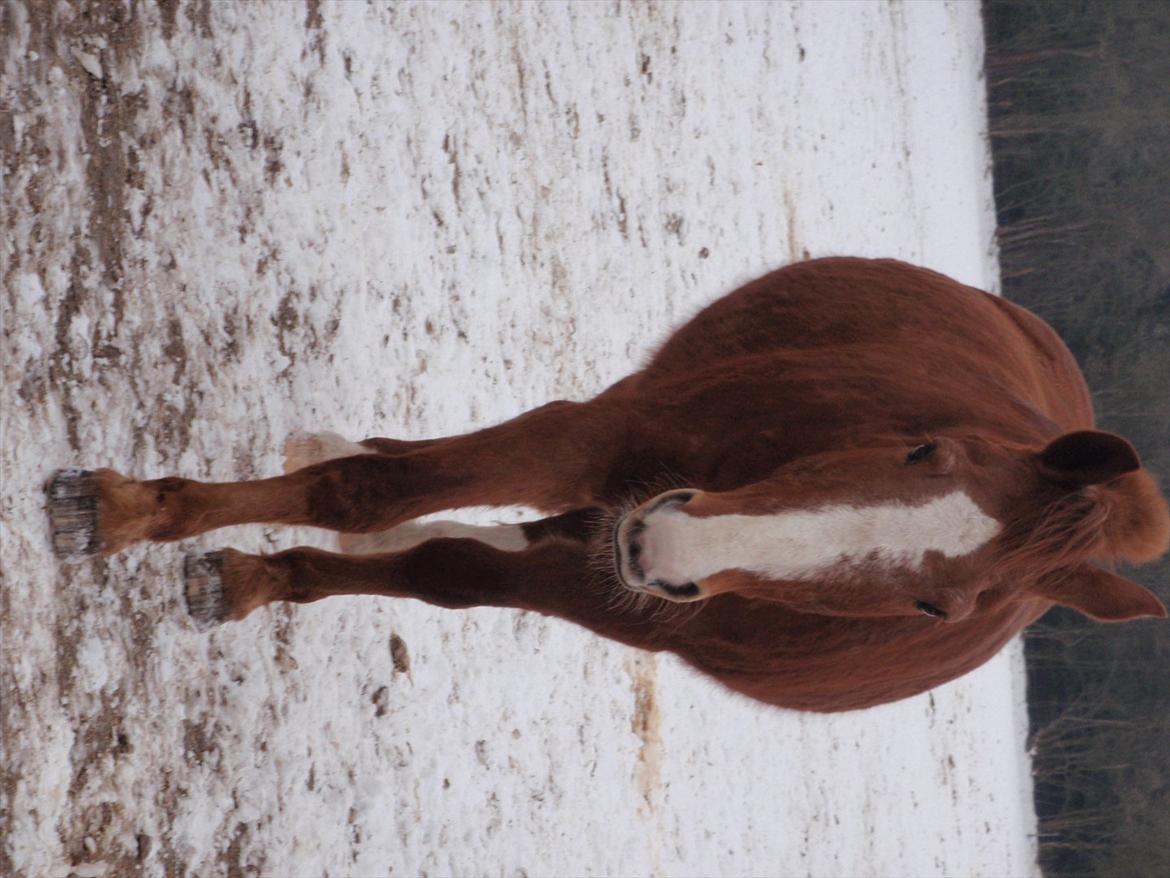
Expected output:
(237, 220)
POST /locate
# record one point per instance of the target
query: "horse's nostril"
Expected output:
(671, 499)
(631, 546)
(687, 590)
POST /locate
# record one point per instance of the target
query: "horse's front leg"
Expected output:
(304, 449)
(553, 458)
(551, 576)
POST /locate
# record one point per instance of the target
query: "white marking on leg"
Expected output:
(678, 548)
(505, 537)
(303, 449)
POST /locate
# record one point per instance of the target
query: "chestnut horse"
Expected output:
(877, 476)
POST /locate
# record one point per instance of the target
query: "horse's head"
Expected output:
(945, 527)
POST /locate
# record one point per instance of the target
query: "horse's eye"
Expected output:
(920, 452)
(930, 610)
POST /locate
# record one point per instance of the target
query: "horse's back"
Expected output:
(897, 310)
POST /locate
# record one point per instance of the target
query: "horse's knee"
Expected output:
(348, 494)
(370, 492)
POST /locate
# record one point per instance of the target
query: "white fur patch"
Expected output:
(303, 449)
(505, 537)
(679, 548)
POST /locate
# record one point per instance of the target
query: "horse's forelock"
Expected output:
(1138, 527)
(1067, 532)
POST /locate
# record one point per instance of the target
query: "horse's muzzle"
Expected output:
(628, 542)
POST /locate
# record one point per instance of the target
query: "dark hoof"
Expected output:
(203, 578)
(73, 505)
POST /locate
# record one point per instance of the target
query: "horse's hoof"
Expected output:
(203, 589)
(73, 503)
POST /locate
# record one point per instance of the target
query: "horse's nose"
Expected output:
(645, 559)
(657, 549)
(636, 530)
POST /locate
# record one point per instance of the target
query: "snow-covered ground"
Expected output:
(227, 221)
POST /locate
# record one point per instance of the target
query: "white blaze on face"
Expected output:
(793, 545)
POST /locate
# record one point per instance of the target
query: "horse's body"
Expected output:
(826, 425)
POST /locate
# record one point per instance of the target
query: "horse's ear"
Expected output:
(1087, 457)
(1104, 596)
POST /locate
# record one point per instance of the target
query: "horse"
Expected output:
(842, 484)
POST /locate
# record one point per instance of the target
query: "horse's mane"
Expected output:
(1137, 528)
